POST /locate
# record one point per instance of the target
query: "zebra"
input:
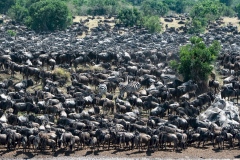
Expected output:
(102, 89)
(129, 88)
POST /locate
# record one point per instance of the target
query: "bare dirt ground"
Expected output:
(94, 22)
(208, 152)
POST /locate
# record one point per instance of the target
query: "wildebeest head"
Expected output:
(30, 82)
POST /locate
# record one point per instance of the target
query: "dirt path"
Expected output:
(190, 153)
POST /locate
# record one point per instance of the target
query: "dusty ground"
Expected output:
(93, 23)
(190, 153)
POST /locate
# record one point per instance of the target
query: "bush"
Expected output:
(198, 25)
(130, 17)
(179, 6)
(228, 12)
(18, 13)
(152, 23)
(49, 15)
(153, 7)
(238, 10)
(11, 33)
(203, 12)
(5, 5)
(227, 2)
(196, 59)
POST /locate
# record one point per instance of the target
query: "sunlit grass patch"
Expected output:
(90, 68)
(61, 73)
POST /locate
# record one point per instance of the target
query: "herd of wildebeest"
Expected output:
(71, 114)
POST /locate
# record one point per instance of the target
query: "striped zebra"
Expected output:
(102, 89)
(129, 88)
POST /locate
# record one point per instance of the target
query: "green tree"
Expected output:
(210, 9)
(238, 10)
(227, 2)
(197, 25)
(196, 59)
(203, 12)
(153, 7)
(152, 23)
(181, 6)
(136, 2)
(130, 17)
(18, 13)
(49, 15)
(103, 7)
(5, 5)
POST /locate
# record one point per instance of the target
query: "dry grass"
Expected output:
(89, 68)
(62, 73)
(234, 20)
(170, 24)
(92, 22)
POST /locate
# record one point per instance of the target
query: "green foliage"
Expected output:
(79, 2)
(96, 7)
(25, 3)
(228, 11)
(227, 2)
(238, 10)
(210, 9)
(5, 5)
(18, 13)
(136, 2)
(49, 15)
(152, 23)
(205, 11)
(153, 7)
(196, 59)
(179, 6)
(130, 17)
(173, 64)
(198, 25)
(11, 33)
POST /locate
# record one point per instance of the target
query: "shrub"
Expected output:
(18, 13)
(49, 15)
(11, 33)
(5, 5)
(153, 7)
(152, 23)
(238, 10)
(130, 17)
(196, 59)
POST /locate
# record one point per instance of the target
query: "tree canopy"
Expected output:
(227, 2)
(238, 10)
(205, 11)
(196, 59)
(5, 5)
(130, 17)
(49, 15)
(153, 7)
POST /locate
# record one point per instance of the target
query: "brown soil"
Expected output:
(190, 153)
